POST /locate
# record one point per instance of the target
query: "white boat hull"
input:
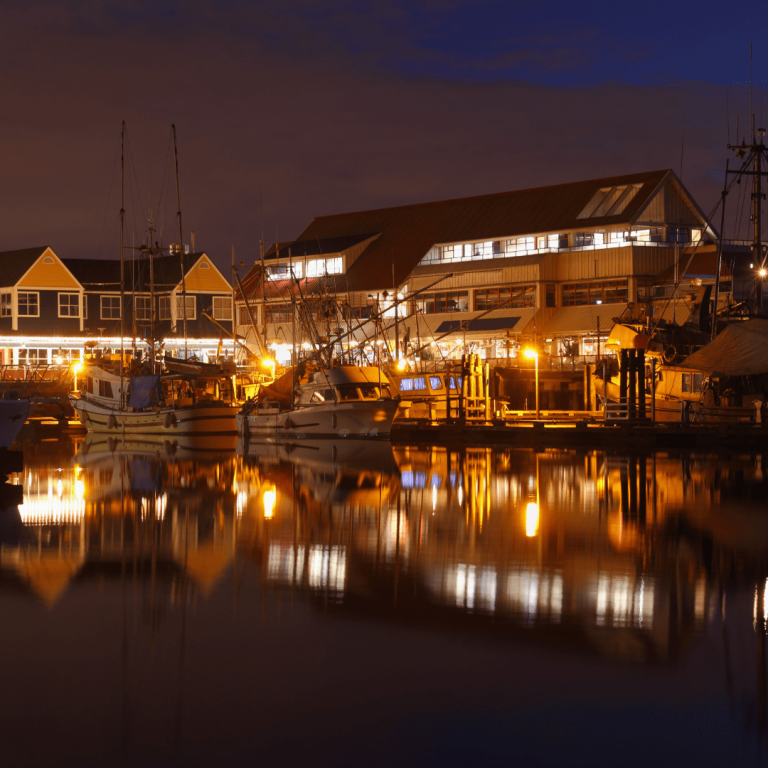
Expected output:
(213, 418)
(371, 419)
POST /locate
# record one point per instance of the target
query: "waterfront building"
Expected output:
(50, 306)
(552, 265)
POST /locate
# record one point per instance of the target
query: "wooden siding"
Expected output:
(54, 275)
(592, 264)
(669, 207)
(209, 279)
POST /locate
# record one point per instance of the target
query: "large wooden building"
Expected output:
(555, 264)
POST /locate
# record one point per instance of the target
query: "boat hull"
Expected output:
(216, 418)
(13, 415)
(358, 419)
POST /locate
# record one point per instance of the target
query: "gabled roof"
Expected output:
(15, 264)
(408, 232)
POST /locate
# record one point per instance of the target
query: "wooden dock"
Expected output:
(587, 434)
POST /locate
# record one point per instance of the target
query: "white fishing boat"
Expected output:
(154, 404)
(13, 415)
(343, 402)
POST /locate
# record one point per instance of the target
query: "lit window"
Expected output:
(6, 307)
(222, 307)
(586, 239)
(29, 305)
(110, 307)
(191, 305)
(142, 307)
(557, 241)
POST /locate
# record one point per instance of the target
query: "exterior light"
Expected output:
(401, 364)
(762, 273)
(599, 301)
(531, 353)
(76, 368)
(59, 359)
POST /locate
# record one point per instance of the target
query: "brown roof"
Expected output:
(408, 232)
(703, 263)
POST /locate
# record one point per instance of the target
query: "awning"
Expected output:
(740, 350)
(480, 324)
(581, 320)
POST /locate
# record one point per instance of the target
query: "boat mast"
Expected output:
(713, 330)
(122, 259)
(151, 251)
(181, 243)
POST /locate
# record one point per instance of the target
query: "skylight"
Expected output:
(609, 201)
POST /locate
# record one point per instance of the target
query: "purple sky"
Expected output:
(365, 105)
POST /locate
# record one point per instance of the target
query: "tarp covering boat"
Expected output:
(143, 391)
(741, 349)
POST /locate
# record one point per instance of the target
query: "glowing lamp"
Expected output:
(270, 498)
(531, 353)
(762, 273)
(401, 364)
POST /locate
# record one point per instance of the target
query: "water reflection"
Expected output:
(621, 557)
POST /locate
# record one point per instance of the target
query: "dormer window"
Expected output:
(204, 265)
(609, 201)
(48, 260)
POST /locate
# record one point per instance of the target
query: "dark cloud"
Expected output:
(268, 105)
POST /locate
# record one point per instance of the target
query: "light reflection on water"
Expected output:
(642, 559)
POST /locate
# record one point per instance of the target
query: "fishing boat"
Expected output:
(13, 415)
(340, 402)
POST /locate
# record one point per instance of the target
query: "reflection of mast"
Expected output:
(122, 261)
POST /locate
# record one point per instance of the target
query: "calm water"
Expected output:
(169, 605)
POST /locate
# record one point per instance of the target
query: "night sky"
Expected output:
(324, 107)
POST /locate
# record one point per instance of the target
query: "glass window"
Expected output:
(142, 307)
(698, 382)
(29, 305)
(277, 313)
(69, 305)
(110, 307)
(551, 296)
(33, 356)
(406, 385)
(445, 301)
(419, 383)
(603, 291)
(685, 384)
(6, 308)
(164, 307)
(369, 391)
(191, 305)
(678, 234)
(512, 297)
(222, 307)
(105, 388)
(348, 392)
(435, 382)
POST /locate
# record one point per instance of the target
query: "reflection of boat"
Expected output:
(13, 415)
(348, 401)
(210, 447)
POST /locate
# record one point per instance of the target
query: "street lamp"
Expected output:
(532, 353)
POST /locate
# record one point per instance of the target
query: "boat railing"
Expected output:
(36, 380)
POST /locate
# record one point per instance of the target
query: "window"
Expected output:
(29, 305)
(164, 307)
(48, 260)
(142, 307)
(191, 305)
(320, 267)
(557, 241)
(278, 313)
(33, 356)
(551, 296)
(609, 201)
(205, 265)
(419, 383)
(89, 384)
(110, 307)
(69, 305)
(245, 318)
(435, 382)
(105, 388)
(585, 239)
(652, 235)
(678, 234)
(283, 271)
(519, 246)
(6, 307)
(446, 301)
(222, 307)
(85, 306)
(685, 384)
(512, 297)
(406, 385)
(595, 292)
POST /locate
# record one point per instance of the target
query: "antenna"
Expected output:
(181, 245)
(751, 111)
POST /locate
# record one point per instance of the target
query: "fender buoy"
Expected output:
(111, 421)
(670, 354)
(169, 420)
(169, 447)
(111, 444)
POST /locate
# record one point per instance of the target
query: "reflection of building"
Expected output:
(121, 514)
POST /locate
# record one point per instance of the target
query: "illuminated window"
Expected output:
(6, 307)
(557, 241)
(164, 307)
(520, 246)
(110, 307)
(321, 267)
(29, 304)
(191, 306)
(222, 307)
(445, 301)
(33, 356)
(142, 307)
(435, 382)
(585, 239)
(419, 384)
(512, 297)
(283, 271)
